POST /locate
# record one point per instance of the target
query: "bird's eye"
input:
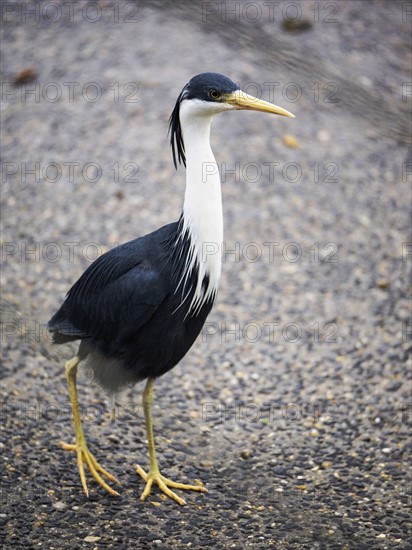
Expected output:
(214, 94)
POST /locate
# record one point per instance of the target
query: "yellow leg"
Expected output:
(80, 447)
(154, 475)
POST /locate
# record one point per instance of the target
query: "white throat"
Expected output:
(202, 210)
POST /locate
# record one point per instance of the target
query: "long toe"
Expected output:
(165, 484)
(85, 457)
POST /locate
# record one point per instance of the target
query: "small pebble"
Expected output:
(246, 454)
(290, 141)
(59, 505)
(91, 538)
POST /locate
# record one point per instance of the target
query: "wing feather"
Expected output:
(118, 293)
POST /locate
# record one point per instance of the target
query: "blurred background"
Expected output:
(294, 406)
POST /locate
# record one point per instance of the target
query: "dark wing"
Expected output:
(116, 295)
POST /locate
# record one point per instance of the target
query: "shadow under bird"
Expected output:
(139, 307)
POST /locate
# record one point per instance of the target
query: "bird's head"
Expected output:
(207, 94)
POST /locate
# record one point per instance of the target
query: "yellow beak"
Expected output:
(242, 100)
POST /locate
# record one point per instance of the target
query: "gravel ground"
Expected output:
(294, 405)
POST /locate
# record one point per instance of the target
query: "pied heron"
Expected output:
(139, 307)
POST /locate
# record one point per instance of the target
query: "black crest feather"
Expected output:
(176, 136)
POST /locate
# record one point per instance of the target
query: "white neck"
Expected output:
(202, 210)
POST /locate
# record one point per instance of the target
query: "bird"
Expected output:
(138, 308)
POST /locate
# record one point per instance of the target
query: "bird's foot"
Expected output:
(84, 456)
(154, 476)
